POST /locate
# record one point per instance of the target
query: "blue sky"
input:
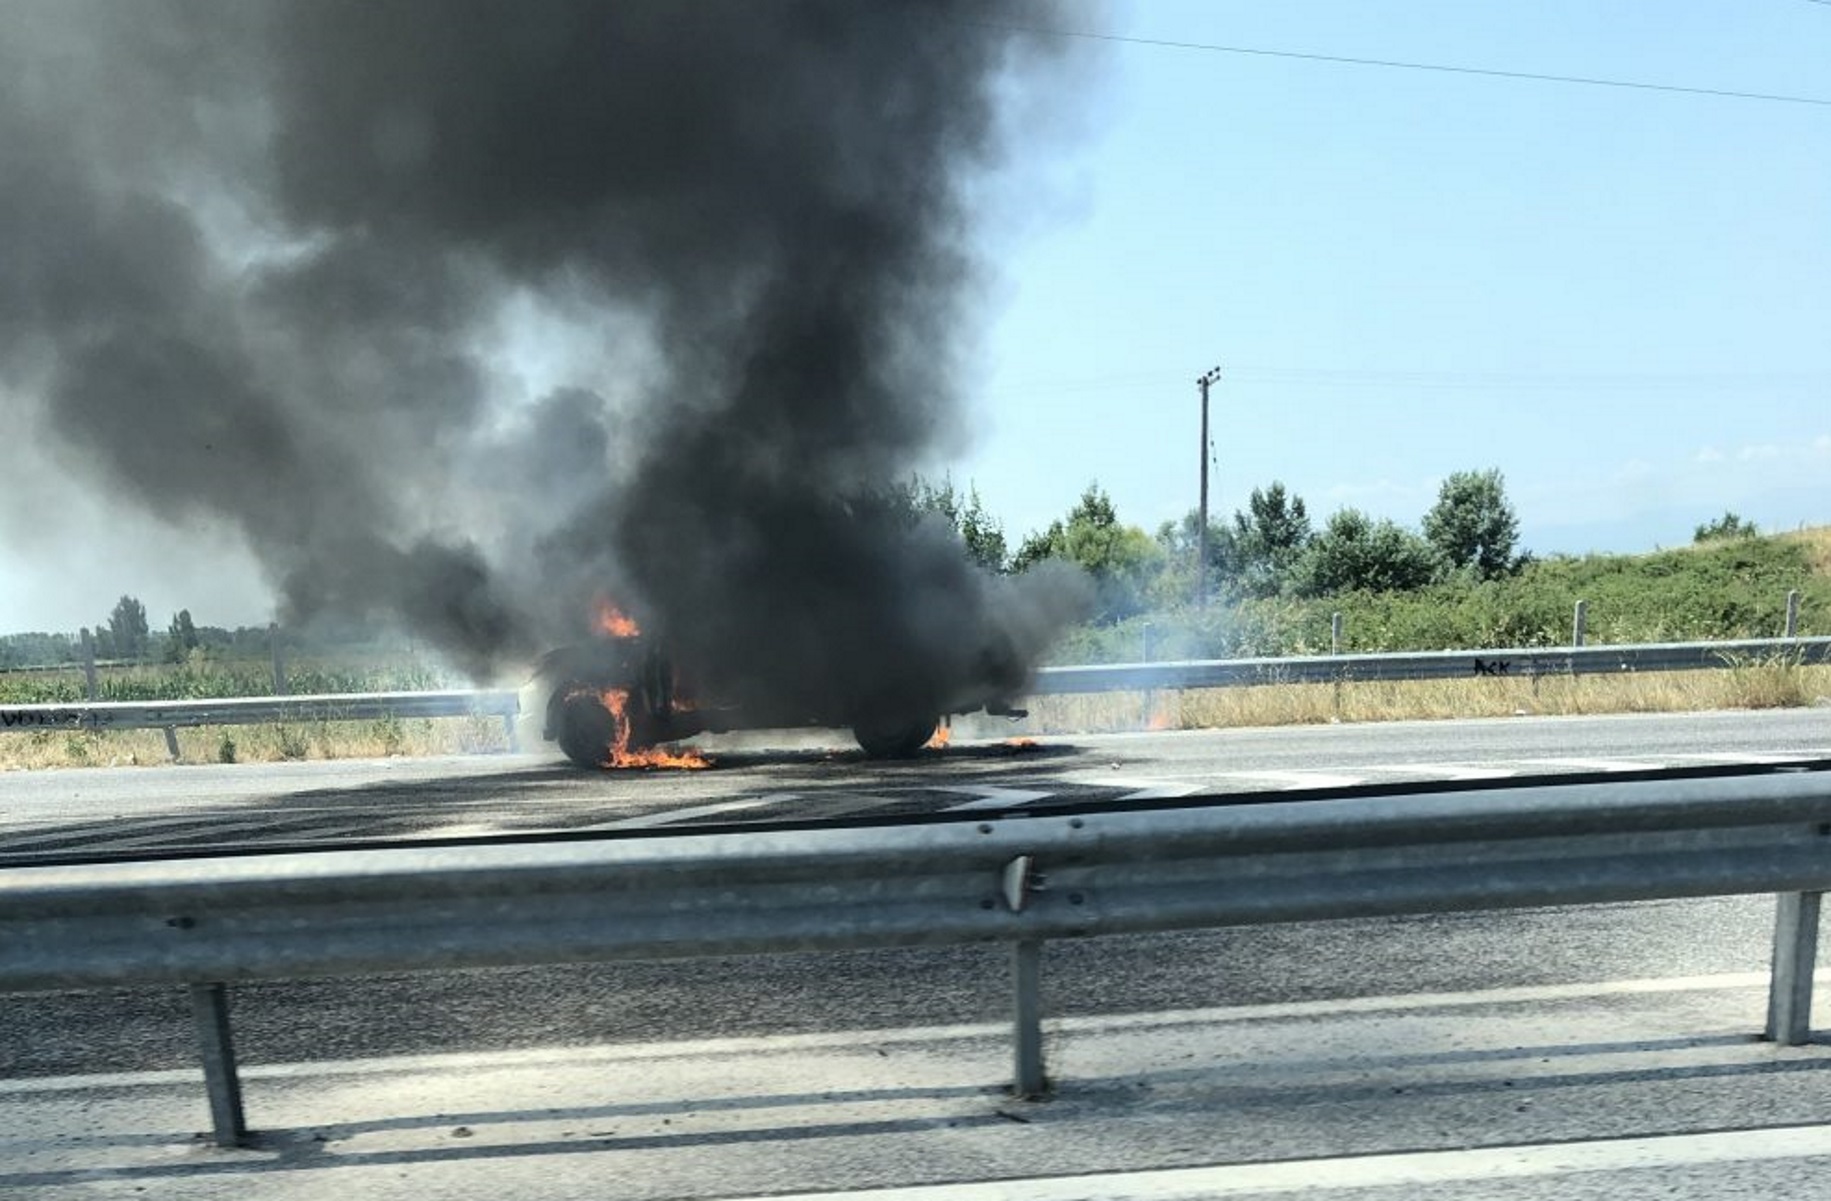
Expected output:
(1620, 298)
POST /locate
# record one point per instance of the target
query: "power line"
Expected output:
(1588, 81)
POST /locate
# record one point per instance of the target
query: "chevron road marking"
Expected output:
(1594, 764)
(668, 817)
(1298, 779)
(1316, 1177)
(996, 798)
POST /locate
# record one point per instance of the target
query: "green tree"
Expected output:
(1356, 553)
(1472, 526)
(1039, 545)
(982, 534)
(180, 637)
(127, 629)
(1729, 525)
(1267, 540)
(1181, 544)
(1122, 560)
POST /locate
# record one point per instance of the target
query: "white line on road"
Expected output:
(1413, 1168)
(1594, 764)
(1299, 779)
(1449, 771)
(1751, 756)
(1155, 792)
(668, 817)
(996, 798)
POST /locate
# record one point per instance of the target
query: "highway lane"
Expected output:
(1259, 1102)
(142, 811)
(147, 810)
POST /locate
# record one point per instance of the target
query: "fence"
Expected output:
(257, 710)
(211, 923)
(1531, 662)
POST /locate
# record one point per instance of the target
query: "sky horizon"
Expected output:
(1619, 297)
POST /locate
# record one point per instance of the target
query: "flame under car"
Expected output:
(619, 702)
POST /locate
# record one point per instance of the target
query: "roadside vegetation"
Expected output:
(1273, 583)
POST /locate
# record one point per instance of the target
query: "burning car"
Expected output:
(619, 701)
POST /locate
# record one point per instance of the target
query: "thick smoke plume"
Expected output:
(288, 263)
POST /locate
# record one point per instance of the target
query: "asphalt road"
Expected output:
(1303, 977)
(156, 809)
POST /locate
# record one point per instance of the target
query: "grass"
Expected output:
(1754, 685)
(1728, 589)
(1768, 685)
(255, 744)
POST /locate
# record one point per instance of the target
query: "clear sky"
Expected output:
(1621, 298)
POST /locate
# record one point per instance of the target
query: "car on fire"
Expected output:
(619, 701)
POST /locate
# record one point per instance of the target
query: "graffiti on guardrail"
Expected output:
(1492, 667)
(25, 718)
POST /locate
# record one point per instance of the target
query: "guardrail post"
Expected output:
(1789, 997)
(1027, 979)
(210, 1009)
(279, 659)
(89, 664)
(171, 742)
(1578, 622)
(1792, 613)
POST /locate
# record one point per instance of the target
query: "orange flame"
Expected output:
(939, 738)
(618, 753)
(614, 622)
(1021, 744)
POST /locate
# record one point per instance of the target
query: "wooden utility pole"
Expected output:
(1201, 548)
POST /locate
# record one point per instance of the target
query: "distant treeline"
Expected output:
(126, 638)
(1270, 584)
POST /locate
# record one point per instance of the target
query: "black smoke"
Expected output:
(260, 258)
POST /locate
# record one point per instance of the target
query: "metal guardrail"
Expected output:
(1528, 662)
(212, 923)
(1521, 662)
(258, 710)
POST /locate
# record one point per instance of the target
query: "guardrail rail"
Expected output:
(210, 923)
(1530, 662)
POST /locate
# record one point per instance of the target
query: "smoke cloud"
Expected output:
(468, 312)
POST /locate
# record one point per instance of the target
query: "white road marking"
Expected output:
(668, 817)
(1730, 757)
(1414, 1168)
(996, 798)
(1449, 771)
(1594, 764)
(1299, 779)
(1155, 792)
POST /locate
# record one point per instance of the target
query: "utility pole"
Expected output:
(1201, 550)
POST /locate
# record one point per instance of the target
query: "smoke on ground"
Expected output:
(467, 312)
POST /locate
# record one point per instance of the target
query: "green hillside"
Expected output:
(1725, 588)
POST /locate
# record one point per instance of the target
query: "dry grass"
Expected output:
(1750, 686)
(1817, 543)
(1766, 685)
(255, 744)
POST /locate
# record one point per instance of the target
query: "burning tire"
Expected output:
(594, 734)
(895, 738)
(584, 728)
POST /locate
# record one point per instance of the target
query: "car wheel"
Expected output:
(585, 728)
(896, 738)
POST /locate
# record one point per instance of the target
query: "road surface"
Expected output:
(1597, 1051)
